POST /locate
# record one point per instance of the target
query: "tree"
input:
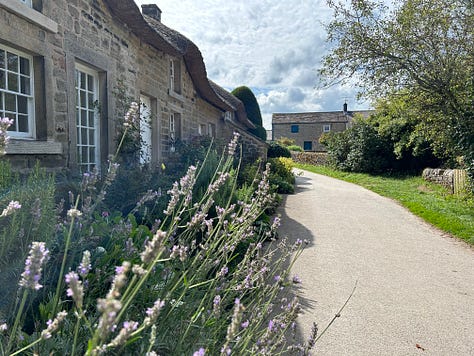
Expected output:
(423, 47)
(253, 110)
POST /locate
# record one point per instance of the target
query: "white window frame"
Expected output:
(145, 129)
(211, 129)
(202, 129)
(175, 76)
(172, 126)
(30, 104)
(87, 165)
(327, 128)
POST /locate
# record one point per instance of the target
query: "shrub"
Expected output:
(281, 175)
(34, 220)
(198, 279)
(295, 148)
(277, 150)
(285, 141)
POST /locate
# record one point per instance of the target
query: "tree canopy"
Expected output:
(252, 108)
(423, 49)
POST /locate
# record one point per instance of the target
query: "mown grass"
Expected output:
(433, 203)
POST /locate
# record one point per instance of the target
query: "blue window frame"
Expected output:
(295, 128)
(308, 145)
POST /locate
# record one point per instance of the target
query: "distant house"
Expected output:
(306, 128)
(60, 65)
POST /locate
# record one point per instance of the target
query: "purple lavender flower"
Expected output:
(179, 251)
(75, 290)
(200, 352)
(33, 266)
(245, 324)
(11, 208)
(124, 334)
(154, 247)
(296, 279)
(85, 265)
(233, 144)
(53, 325)
(153, 312)
(131, 117)
(216, 304)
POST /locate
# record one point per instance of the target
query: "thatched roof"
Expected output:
(235, 103)
(169, 41)
(318, 117)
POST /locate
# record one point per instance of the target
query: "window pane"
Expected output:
(90, 83)
(91, 136)
(2, 59)
(22, 104)
(82, 80)
(79, 139)
(84, 136)
(83, 117)
(2, 79)
(24, 66)
(10, 102)
(90, 101)
(91, 120)
(1, 103)
(12, 60)
(23, 123)
(13, 82)
(84, 154)
(13, 125)
(82, 99)
(25, 85)
(92, 154)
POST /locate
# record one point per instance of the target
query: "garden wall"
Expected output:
(453, 179)
(314, 158)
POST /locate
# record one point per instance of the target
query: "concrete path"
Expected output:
(415, 286)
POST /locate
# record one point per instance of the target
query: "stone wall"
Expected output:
(85, 32)
(314, 158)
(453, 179)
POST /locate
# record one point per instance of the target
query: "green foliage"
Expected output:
(249, 100)
(260, 132)
(359, 149)
(281, 175)
(34, 221)
(421, 47)
(193, 264)
(295, 148)
(276, 150)
(252, 109)
(285, 141)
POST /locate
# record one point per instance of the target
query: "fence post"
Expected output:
(460, 181)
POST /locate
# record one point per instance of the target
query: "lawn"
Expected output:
(450, 213)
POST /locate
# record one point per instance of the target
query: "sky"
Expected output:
(274, 47)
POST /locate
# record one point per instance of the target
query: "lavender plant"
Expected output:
(202, 280)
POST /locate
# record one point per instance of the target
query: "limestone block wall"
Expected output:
(314, 158)
(453, 179)
(84, 32)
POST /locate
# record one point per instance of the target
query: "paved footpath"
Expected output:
(415, 286)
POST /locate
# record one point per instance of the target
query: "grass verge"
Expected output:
(433, 203)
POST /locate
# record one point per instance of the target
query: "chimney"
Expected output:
(344, 108)
(152, 10)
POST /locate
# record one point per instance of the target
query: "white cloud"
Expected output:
(273, 47)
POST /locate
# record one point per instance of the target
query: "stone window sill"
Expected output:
(29, 147)
(29, 14)
(173, 94)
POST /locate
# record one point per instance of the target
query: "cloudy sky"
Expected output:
(272, 46)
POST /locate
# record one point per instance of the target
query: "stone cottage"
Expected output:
(62, 64)
(306, 128)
